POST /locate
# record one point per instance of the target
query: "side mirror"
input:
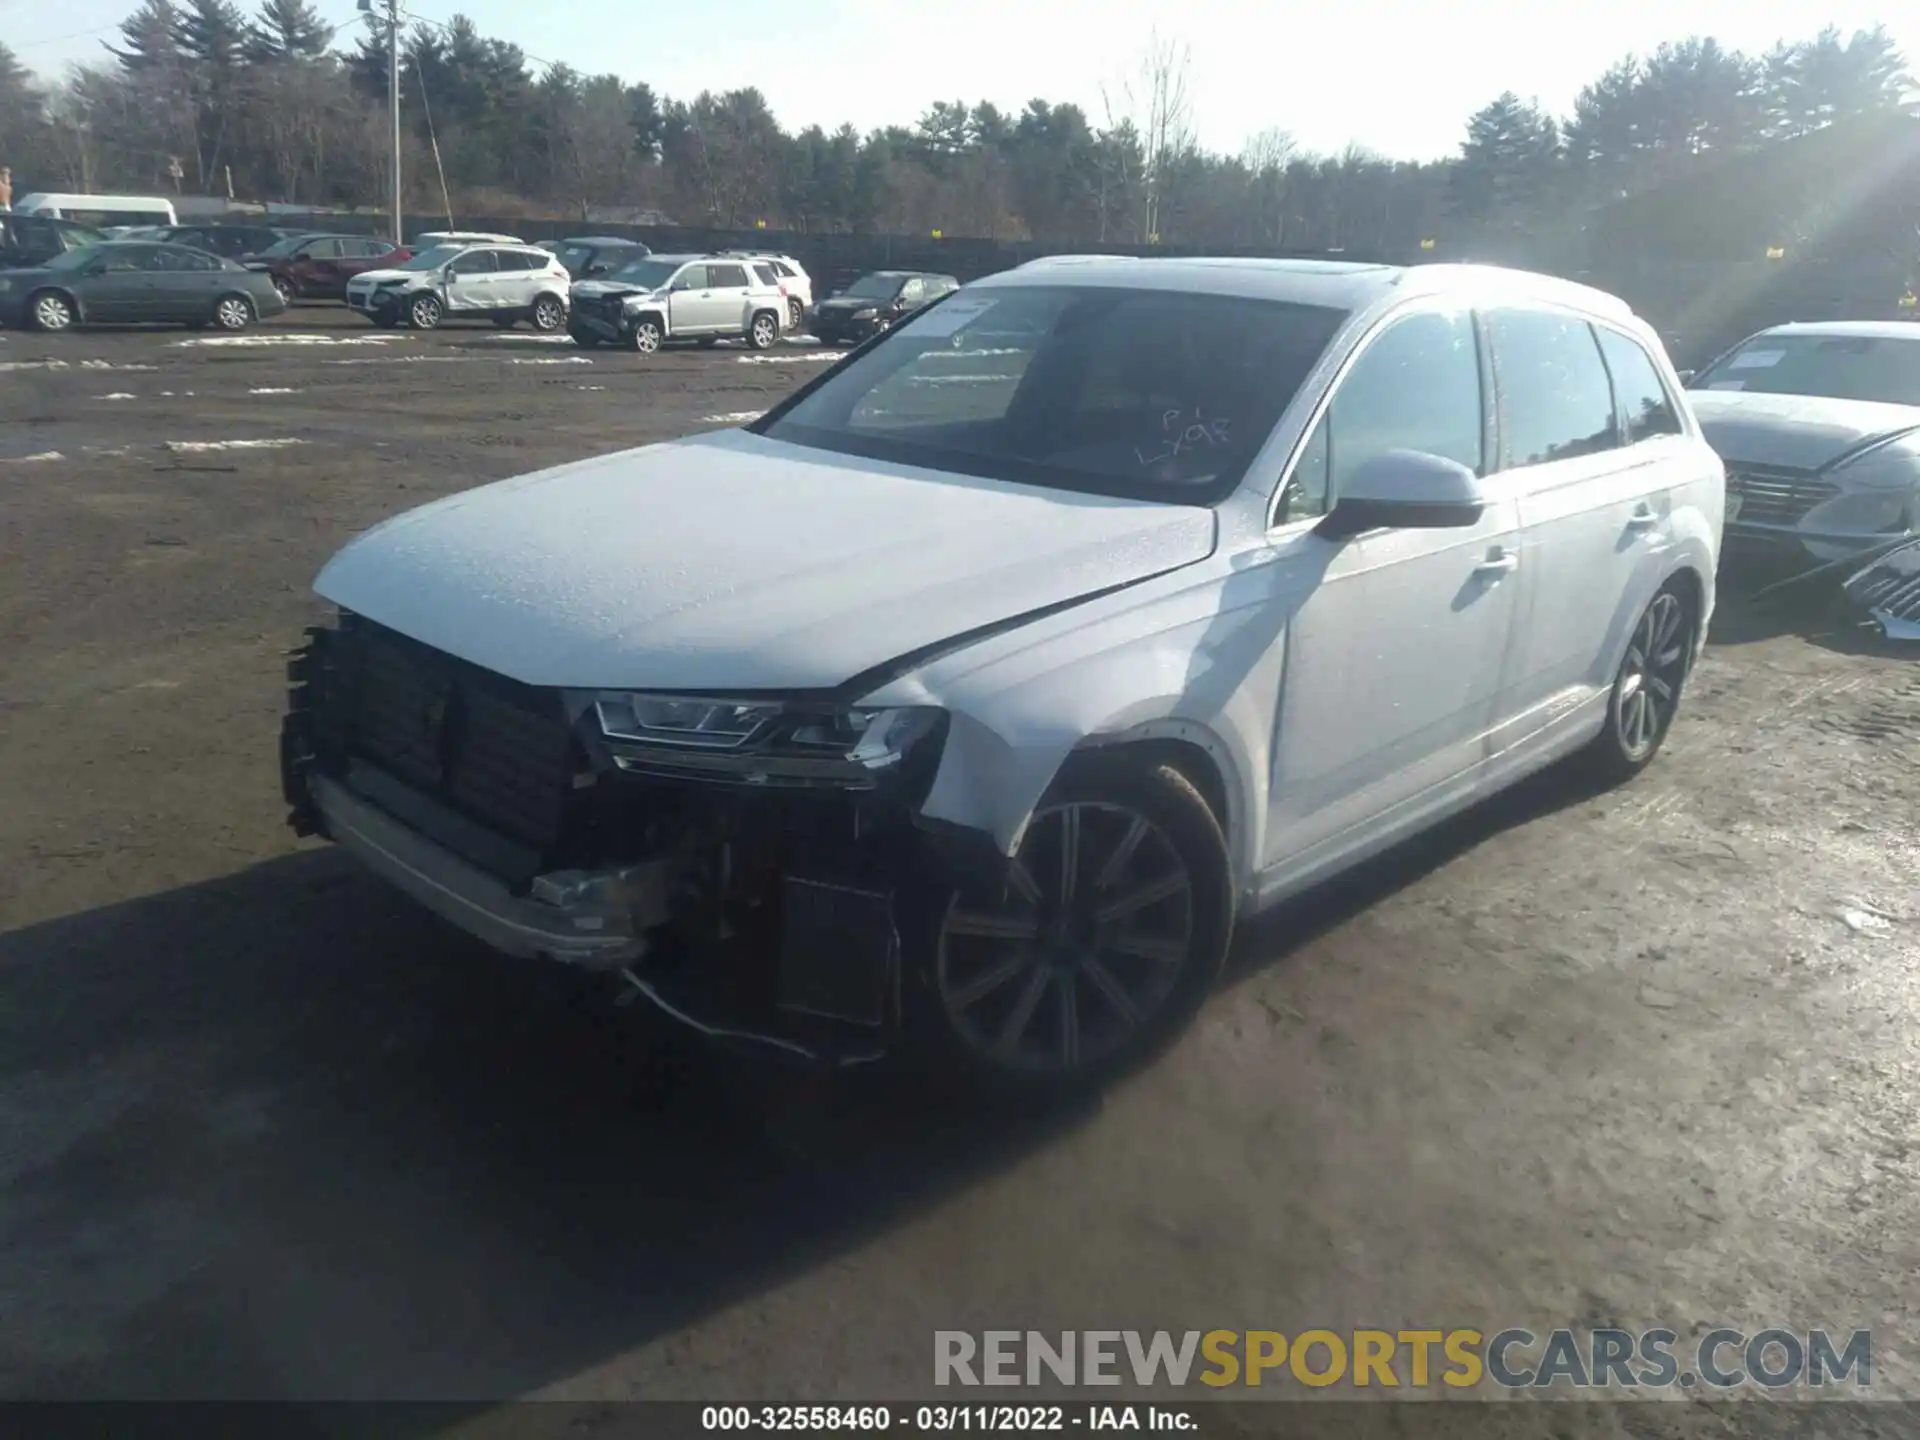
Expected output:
(1405, 490)
(1686, 376)
(597, 269)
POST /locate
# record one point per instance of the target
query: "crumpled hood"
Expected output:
(729, 561)
(1799, 432)
(367, 278)
(847, 304)
(594, 289)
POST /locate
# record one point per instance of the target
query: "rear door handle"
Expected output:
(1500, 562)
(1642, 519)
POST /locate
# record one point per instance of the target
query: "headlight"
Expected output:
(869, 313)
(1891, 467)
(759, 742)
(5, 286)
(389, 284)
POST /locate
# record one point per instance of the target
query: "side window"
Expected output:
(1555, 400)
(912, 292)
(324, 250)
(692, 277)
(1416, 386)
(38, 237)
(517, 260)
(127, 257)
(1646, 409)
(158, 259)
(727, 277)
(767, 276)
(783, 270)
(475, 262)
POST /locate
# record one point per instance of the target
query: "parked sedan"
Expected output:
(135, 282)
(318, 267)
(962, 702)
(1820, 427)
(875, 302)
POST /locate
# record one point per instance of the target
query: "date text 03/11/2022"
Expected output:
(944, 1419)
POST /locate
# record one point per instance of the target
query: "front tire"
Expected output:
(763, 331)
(548, 314)
(1647, 688)
(233, 313)
(51, 312)
(646, 337)
(1099, 945)
(423, 312)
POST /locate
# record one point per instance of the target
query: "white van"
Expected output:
(101, 211)
(427, 239)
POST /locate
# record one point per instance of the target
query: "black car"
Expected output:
(229, 242)
(36, 239)
(876, 301)
(135, 282)
(589, 256)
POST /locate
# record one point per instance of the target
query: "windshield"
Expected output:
(1153, 394)
(874, 287)
(432, 259)
(1840, 367)
(573, 256)
(650, 274)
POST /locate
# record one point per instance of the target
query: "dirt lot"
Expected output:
(270, 1132)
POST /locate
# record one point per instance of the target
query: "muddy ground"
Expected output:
(268, 1131)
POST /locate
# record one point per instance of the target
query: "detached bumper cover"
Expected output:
(601, 937)
(1889, 591)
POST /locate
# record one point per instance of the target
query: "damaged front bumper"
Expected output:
(1889, 591)
(762, 902)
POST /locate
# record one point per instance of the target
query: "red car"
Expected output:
(319, 266)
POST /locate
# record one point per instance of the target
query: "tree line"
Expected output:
(197, 96)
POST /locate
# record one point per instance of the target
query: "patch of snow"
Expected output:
(783, 359)
(408, 360)
(272, 390)
(30, 459)
(732, 417)
(285, 338)
(119, 395)
(70, 365)
(199, 445)
(529, 339)
(550, 360)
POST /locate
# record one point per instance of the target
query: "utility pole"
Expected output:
(393, 98)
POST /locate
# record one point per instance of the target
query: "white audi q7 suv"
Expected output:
(964, 701)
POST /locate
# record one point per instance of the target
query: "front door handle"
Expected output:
(1642, 519)
(1497, 563)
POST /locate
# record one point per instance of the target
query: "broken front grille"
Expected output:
(1771, 495)
(489, 747)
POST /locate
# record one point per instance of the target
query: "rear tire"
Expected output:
(796, 312)
(51, 312)
(287, 293)
(763, 331)
(548, 314)
(1072, 972)
(1646, 689)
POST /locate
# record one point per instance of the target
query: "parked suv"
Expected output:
(588, 257)
(875, 302)
(229, 242)
(965, 700)
(502, 283)
(793, 279)
(27, 240)
(646, 303)
(317, 267)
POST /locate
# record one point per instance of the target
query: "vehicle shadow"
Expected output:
(294, 1138)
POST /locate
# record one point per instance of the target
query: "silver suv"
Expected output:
(705, 298)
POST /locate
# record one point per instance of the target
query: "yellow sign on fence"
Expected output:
(936, 234)
(1776, 252)
(1427, 243)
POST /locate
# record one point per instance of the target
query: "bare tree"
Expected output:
(1265, 157)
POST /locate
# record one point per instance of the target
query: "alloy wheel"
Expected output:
(1648, 690)
(1082, 949)
(52, 312)
(233, 313)
(765, 331)
(646, 337)
(547, 314)
(424, 313)
(795, 312)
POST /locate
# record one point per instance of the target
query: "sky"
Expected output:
(1396, 76)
